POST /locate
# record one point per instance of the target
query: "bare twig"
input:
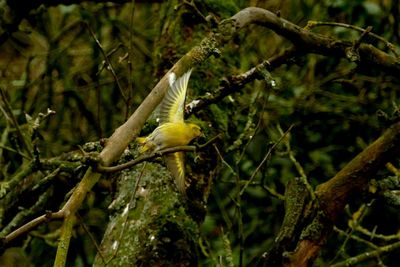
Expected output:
(92, 238)
(109, 54)
(7, 186)
(108, 62)
(313, 24)
(224, 161)
(11, 117)
(33, 224)
(130, 63)
(192, 4)
(352, 52)
(25, 213)
(299, 168)
(153, 155)
(267, 155)
(368, 255)
(373, 235)
(148, 157)
(354, 237)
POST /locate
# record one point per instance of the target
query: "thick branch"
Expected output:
(334, 194)
(317, 43)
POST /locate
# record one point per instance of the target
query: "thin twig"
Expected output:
(368, 255)
(7, 186)
(362, 37)
(46, 179)
(130, 63)
(224, 161)
(153, 155)
(372, 235)
(82, 222)
(298, 166)
(14, 121)
(352, 52)
(14, 151)
(265, 158)
(355, 220)
(194, 7)
(354, 237)
(312, 24)
(146, 157)
(32, 224)
(271, 191)
(23, 214)
(108, 61)
(109, 54)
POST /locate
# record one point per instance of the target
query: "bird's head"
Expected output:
(195, 130)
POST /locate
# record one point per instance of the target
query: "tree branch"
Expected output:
(32, 224)
(334, 194)
(153, 155)
(313, 24)
(236, 83)
(304, 41)
(315, 43)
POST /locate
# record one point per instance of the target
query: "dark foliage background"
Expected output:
(53, 62)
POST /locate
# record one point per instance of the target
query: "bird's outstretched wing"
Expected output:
(176, 164)
(172, 106)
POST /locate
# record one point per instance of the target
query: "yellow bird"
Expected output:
(173, 130)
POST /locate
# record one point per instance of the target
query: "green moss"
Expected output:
(316, 228)
(156, 226)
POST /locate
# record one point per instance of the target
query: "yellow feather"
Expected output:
(141, 140)
(176, 164)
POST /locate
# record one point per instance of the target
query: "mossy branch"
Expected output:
(334, 194)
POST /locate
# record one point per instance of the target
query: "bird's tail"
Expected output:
(176, 164)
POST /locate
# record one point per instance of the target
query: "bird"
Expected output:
(172, 130)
